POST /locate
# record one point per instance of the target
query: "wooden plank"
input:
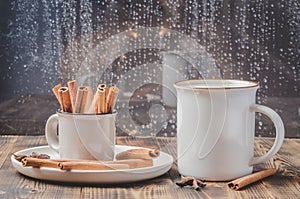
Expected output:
(279, 186)
(288, 154)
(26, 114)
(6, 145)
(15, 185)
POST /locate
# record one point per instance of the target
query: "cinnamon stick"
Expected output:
(68, 164)
(102, 100)
(64, 96)
(72, 85)
(81, 99)
(112, 98)
(249, 179)
(99, 165)
(135, 162)
(89, 107)
(96, 103)
(91, 166)
(102, 86)
(55, 91)
(106, 92)
(138, 154)
(37, 162)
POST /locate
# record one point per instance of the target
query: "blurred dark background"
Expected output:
(43, 43)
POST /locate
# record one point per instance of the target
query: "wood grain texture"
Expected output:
(15, 185)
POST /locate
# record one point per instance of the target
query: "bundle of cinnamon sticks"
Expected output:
(81, 99)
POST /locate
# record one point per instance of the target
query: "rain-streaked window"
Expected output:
(143, 47)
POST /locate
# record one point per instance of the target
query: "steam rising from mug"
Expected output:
(167, 43)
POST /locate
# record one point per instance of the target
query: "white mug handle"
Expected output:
(279, 133)
(51, 132)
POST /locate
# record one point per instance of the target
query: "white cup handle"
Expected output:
(51, 132)
(279, 133)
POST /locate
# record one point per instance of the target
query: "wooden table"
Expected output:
(15, 185)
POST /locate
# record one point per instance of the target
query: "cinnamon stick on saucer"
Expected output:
(68, 164)
(135, 162)
(64, 96)
(249, 179)
(37, 162)
(103, 165)
(90, 166)
(138, 154)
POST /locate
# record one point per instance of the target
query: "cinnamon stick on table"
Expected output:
(249, 179)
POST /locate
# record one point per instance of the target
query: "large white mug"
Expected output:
(216, 128)
(82, 136)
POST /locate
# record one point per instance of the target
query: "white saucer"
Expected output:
(161, 165)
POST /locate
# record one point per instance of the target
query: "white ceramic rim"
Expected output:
(98, 114)
(184, 84)
(161, 165)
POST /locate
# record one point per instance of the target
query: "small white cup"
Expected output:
(82, 136)
(215, 128)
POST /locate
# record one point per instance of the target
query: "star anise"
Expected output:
(191, 181)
